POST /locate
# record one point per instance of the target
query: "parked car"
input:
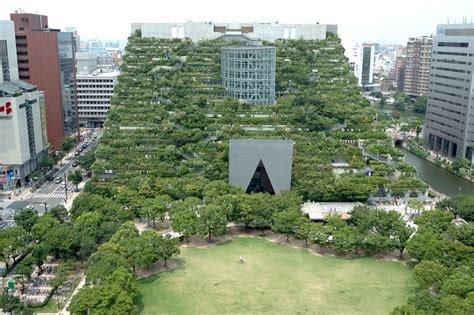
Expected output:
(30, 207)
(58, 180)
(74, 164)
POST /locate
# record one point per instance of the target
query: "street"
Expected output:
(50, 192)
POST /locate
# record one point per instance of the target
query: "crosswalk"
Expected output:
(53, 195)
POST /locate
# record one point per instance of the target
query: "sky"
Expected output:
(358, 20)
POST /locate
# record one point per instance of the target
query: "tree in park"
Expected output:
(155, 208)
(430, 274)
(425, 244)
(59, 213)
(185, 220)
(401, 235)
(435, 220)
(26, 218)
(11, 304)
(212, 221)
(24, 269)
(42, 227)
(462, 205)
(407, 309)
(458, 283)
(168, 248)
(420, 104)
(39, 253)
(13, 242)
(102, 263)
(286, 221)
(416, 205)
(76, 178)
(60, 241)
(306, 229)
(106, 299)
(87, 246)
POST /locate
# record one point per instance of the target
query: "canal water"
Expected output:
(438, 178)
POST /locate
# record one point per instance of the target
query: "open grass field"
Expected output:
(274, 279)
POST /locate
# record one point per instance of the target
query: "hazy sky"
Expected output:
(362, 20)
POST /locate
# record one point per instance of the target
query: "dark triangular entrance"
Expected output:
(260, 181)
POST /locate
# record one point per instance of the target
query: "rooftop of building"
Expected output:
(11, 88)
(319, 211)
(247, 47)
(98, 74)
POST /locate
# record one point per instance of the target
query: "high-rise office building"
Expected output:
(8, 62)
(46, 59)
(400, 68)
(22, 123)
(362, 61)
(449, 128)
(417, 68)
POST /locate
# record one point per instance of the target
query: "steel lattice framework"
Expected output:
(248, 73)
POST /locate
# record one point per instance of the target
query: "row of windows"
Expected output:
(446, 93)
(92, 107)
(110, 86)
(444, 125)
(448, 102)
(92, 113)
(22, 61)
(445, 117)
(79, 80)
(447, 110)
(93, 96)
(22, 53)
(449, 86)
(452, 61)
(93, 102)
(450, 53)
(451, 70)
(449, 78)
(452, 44)
(95, 91)
(23, 69)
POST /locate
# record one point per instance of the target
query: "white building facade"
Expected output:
(362, 61)
(8, 58)
(93, 97)
(197, 31)
(23, 140)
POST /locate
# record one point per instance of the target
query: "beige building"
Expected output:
(417, 71)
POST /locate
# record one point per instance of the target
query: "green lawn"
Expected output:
(274, 279)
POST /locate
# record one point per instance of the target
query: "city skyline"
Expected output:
(358, 22)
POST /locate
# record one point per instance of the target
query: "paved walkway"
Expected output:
(79, 286)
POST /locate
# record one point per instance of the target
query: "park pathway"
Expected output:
(79, 286)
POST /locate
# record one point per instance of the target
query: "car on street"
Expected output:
(58, 180)
(74, 164)
(30, 207)
(77, 153)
